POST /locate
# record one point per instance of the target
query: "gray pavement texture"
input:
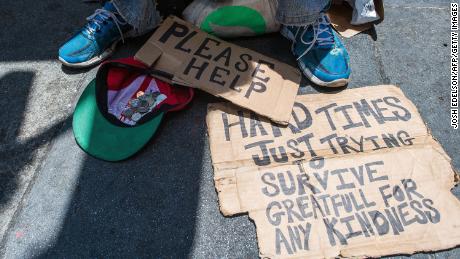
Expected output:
(58, 202)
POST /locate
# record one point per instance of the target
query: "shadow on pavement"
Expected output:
(17, 153)
(34, 30)
(14, 86)
(145, 206)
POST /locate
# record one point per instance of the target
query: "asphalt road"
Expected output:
(58, 202)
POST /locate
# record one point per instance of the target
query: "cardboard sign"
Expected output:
(354, 175)
(242, 76)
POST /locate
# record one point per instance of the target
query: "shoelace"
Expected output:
(104, 14)
(319, 27)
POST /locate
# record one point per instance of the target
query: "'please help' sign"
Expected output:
(242, 76)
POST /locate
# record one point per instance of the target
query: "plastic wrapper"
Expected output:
(363, 11)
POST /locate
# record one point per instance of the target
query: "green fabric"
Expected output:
(230, 16)
(102, 139)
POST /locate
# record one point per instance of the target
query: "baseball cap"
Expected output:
(121, 109)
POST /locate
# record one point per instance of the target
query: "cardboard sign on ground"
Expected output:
(242, 76)
(354, 174)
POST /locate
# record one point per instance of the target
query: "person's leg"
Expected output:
(320, 53)
(300, 12)
(142, 15)
(114, 22)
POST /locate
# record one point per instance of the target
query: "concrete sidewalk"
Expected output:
(58, 202)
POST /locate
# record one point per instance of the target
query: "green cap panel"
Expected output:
(234, 18)
(100, 138)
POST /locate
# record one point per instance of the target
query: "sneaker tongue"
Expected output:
(323, 29)
(109, 6)
(99, 18)
(325, 39)
(307, 35)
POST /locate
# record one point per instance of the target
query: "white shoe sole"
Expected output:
(336, 83)
(332, 84)
(93, 61)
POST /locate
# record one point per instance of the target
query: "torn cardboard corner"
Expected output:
(358, 175)
(242, 76)
(340, 15)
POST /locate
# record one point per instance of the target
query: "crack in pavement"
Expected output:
(380, 66)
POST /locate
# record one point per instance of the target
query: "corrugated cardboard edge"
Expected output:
(225, 185)
(150, 53)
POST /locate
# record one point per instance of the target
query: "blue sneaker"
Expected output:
(97, 40)
(320, 53)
